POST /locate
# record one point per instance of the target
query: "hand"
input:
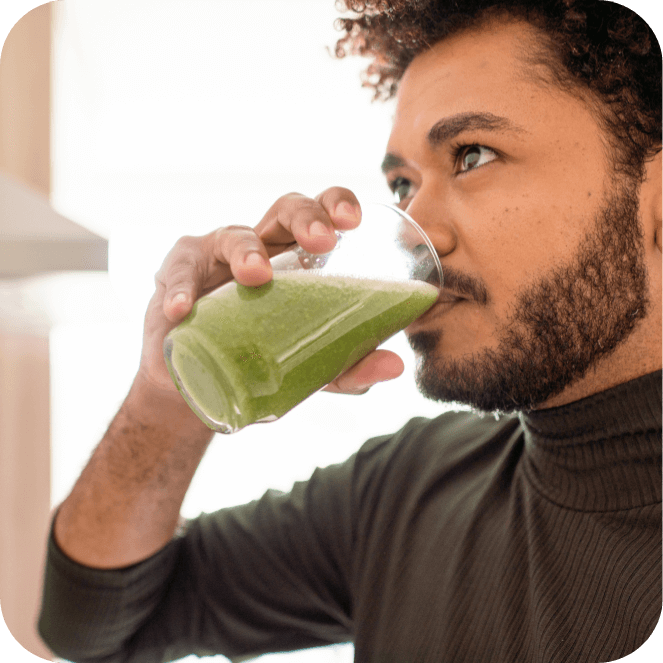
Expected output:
(198, 265)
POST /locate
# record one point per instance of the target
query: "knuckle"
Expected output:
(293, 205)
(186, 243)
(236, 228)
(232, 239)
(181, 279)
(184, 271)
(186, 263)
(278, 221)
(230, 235)
(282, 205)
(181, 261)
(335, 194)
(307, 210)
(289, 198)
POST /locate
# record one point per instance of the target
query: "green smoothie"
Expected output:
(247, 355)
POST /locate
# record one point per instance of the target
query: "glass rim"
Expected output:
(421, 232)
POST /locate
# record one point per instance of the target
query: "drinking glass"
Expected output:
(248, 355)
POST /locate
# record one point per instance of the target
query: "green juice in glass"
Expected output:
(247, 355)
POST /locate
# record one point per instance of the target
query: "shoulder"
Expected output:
(452, 435)
(453, 444)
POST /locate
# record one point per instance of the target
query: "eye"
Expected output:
(400, 187)
(470, 157)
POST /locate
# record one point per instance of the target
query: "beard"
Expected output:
(561, 326)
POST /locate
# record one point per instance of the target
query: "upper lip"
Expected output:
(447, 297)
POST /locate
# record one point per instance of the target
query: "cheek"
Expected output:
(516, 224)
(513, 245)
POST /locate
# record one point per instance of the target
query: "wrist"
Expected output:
(153, 405)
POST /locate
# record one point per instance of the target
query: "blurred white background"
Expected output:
(174, 117)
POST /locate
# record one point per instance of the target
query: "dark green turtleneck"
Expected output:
(465, 539)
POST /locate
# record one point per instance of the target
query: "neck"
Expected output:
(640, 355)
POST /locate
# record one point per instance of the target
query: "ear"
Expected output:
(650, 200)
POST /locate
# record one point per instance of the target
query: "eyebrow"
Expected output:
(450, 127)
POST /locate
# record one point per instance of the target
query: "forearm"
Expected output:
(125, 505)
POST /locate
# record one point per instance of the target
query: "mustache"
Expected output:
(465, 285)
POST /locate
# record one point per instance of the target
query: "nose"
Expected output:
(432, 215)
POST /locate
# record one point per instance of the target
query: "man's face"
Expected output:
(539, 241)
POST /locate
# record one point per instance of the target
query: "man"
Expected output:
(526, 142)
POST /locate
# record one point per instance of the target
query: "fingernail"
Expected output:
(318, 229)
(254, 259)
(179, 298)
(347, 210)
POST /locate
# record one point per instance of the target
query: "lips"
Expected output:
(448, 297)
(446, 300)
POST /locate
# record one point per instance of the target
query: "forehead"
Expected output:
(483, 69)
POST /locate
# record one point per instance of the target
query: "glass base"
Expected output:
(224, 427)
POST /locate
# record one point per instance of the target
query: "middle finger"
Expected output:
(295, 217)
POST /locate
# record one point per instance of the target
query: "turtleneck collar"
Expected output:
(601, 453)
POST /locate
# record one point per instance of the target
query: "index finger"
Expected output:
(294, 217)
(342, 207)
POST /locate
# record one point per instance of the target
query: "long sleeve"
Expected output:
(267, 576)
(86, 612)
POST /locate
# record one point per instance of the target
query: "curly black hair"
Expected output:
(590, 45)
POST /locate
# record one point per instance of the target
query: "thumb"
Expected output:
(377, 366)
